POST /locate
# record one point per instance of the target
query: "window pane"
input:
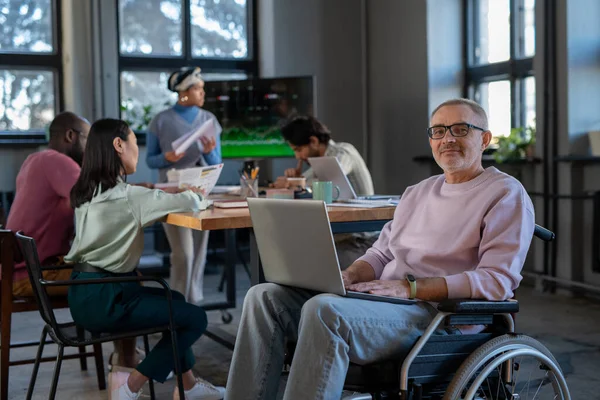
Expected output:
(528, 34)
(27, 99)
(219, 28)
(144, 94)
(529, 101)
(150, 27)
(26, 26)
(494, 97)
(492, 31)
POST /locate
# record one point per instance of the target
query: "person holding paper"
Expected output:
(110, 216)
(168, 131)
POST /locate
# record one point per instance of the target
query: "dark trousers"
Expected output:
(116, 307)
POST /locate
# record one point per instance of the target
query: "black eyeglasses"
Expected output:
(457, 130)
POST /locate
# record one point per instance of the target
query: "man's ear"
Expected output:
(314, 141)
(487, 138)
(70, 136)
(118, 145)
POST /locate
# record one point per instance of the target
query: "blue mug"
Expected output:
(324, 191)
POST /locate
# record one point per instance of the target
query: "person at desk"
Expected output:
(463, 234)
(188, 246)
(41, 210)
(308, 137)
(110, 217)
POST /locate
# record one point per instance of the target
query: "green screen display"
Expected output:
(252, 112)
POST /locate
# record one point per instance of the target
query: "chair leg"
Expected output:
(59, 358)
(150, 381)
(178, 372)
(99, 366)
(36, 365)
(82, 358)
(5, 347)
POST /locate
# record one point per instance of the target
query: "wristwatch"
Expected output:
(412, 282)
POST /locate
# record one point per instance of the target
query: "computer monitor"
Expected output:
(253, 111)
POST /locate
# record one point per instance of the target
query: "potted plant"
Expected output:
(518, 145)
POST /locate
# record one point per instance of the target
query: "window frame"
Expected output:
(248, 66)
(514, 69)
(38, 61)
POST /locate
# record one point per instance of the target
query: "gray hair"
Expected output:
(475, 107)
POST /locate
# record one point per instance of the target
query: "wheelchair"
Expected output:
(495, 364)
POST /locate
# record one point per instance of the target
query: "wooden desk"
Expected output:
(237, 218)
(343, 220)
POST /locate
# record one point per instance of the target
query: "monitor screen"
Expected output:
(252, 112)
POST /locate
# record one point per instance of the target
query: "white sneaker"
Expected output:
(202, 390)
(119, 390)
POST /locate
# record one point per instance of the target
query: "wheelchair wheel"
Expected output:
(535, 372)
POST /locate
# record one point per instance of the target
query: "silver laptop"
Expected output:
(296, 247)
(330, 169)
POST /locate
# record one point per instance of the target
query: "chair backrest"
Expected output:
(32, 262)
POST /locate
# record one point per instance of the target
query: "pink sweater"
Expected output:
(41, 208)
(475, 234)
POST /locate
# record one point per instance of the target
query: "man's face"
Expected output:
(458, 153)
(77, 148)
(306, 151)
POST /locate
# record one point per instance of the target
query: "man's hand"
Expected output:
(280, 183)
(208, 144)
(294, 172)
(172, 157)
(349, 277)
(398, 288)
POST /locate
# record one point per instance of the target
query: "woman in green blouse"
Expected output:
(110, 217)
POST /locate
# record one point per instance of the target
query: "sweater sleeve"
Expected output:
(214, 157)
(154, 156)
(151, 205)
(505, 238)
(379, 255)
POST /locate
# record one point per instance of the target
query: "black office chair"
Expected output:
(469, 366)
(69, 334)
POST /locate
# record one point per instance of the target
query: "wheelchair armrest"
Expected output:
(468, 306)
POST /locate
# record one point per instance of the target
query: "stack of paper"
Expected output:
(207, 129)
(204, 178)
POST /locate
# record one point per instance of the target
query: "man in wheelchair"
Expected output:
(461, 235)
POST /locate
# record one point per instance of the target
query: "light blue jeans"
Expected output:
(330, 331)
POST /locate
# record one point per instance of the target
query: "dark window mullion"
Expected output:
(187, 32)
(513, 28)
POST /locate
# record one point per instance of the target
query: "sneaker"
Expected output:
(118, 388)
(202, 390)
(349, 395)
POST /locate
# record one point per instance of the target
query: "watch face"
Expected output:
(410, 278)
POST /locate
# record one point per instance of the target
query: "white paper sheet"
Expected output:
(183, 143)
(204, 178)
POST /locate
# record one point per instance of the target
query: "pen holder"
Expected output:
(248, 187)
